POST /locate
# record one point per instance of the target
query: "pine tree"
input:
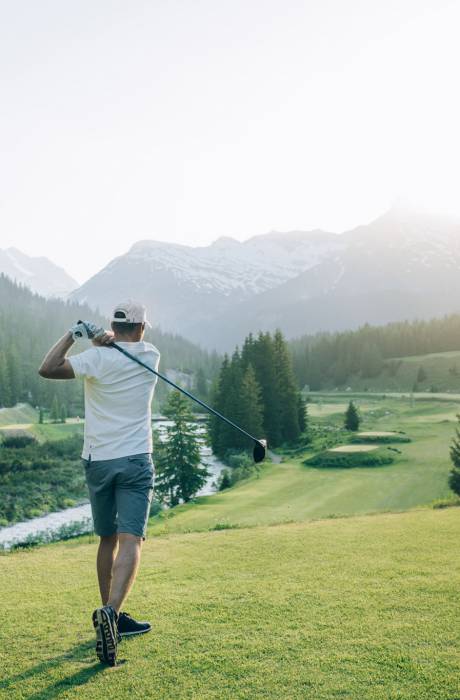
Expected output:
(63, 413)
(225, 480)
(40, 415)
(288, 403)
(421, 375)
(178, 470)
(454, 476)
(5, 389)
(352, 419)
(370, 360)
(55, 412)
(232, 407)
(218, 397)
(263, 360)
(251, 405)
(201, 385)
(14, 375)
(302, 413)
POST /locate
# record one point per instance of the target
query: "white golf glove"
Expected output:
(87, 330)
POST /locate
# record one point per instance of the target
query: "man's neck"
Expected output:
(125, 339)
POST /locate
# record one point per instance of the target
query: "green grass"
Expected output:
(291, 491)
(56, 431)
(363, 608)
(22, 413)
(258, 592)
(437, 366)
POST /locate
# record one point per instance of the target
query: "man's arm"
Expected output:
(55, 365)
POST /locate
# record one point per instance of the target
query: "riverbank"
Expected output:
(77, 519)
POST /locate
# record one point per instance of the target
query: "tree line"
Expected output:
(257, 389)
(327, 360)
(30, 324)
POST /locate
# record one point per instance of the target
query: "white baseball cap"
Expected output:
(130, 312)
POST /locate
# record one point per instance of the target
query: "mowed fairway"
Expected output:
(363, 608)
(292, 491)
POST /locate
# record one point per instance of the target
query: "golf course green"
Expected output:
(298, 583)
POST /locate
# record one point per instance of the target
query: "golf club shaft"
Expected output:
(194, 398)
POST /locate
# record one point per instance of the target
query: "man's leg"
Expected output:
(106, 554)
(124, 569)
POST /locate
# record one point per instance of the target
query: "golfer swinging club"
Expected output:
(116, 454)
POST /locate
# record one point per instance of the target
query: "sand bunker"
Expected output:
(355, 448)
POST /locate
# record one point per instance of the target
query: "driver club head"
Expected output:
(259, 450)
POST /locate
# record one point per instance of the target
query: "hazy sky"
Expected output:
(187, 120)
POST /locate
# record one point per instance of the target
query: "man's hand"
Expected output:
(104, 339)
(86, 329)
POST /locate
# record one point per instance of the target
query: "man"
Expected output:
(116, 454)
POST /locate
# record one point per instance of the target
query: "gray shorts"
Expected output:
(120, 491)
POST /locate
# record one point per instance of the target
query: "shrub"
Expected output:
(238, 460)
(381, 439)
(155, 507)
(347, 460)
(224, 526)
(454, 476)
(16, 442)
(224, 480)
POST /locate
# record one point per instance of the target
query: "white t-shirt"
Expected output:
(118, 397)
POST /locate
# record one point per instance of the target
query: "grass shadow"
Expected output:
(53, 691)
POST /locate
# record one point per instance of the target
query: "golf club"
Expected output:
(259, 445)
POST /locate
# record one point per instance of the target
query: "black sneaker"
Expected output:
(105, 624)
(128, 627)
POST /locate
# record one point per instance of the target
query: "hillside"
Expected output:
(403, 265)
(357, 608)
(31, 324)
(191, 289)
(440, 373)
(39, 274)
(293, 491)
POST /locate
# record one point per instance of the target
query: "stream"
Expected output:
(54, 522)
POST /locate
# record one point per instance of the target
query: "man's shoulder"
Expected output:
(151, 348)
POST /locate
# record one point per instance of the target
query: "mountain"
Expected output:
(39, 274)
(184, 287)
(403, 265)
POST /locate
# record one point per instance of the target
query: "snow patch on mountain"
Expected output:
(38, 273)
(227, 265)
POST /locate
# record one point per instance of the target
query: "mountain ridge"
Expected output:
(38, 273)
(403, 264)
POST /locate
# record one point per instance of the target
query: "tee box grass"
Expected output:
(365, 608)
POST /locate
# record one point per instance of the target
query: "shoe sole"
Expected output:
(134, 634)
(99, 645)
(106, 642)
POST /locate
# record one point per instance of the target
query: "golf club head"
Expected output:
(259, 450)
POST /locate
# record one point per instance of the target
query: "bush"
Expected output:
(224, 526)
(155, 507)
(39, 478)
(225, 480)
(381, 439)
(241, 467)
(348, 460)
(17, 442)
(453, 502)
(237, 460)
